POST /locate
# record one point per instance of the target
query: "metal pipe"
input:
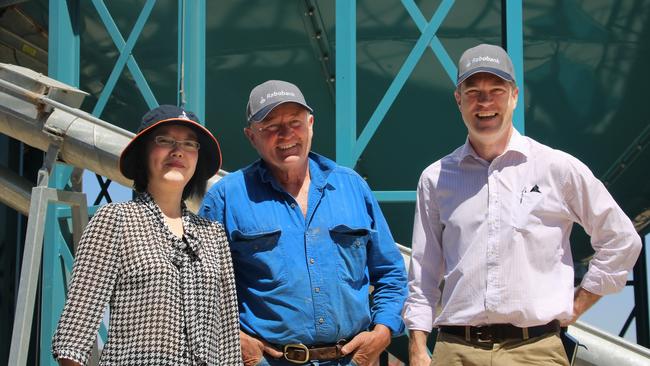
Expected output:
(33, 109)
(601, 348)
(15, 191)
(53, 103)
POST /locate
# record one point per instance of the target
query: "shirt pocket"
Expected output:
(351, 244)
(258, 257)
(523, 214)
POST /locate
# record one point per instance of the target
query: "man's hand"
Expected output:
(582, 301)
(367, 346)
(418, 352)
(253, 349)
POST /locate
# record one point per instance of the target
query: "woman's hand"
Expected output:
(67, 362)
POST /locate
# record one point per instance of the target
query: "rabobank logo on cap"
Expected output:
(484, 59)
(276, 94)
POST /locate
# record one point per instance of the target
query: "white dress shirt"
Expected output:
(498, 234)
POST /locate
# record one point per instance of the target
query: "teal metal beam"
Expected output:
(395, 196)
(192, 61)
(436, 46)
(348, 148)
(63, 41)
(63, 65)
(401, 77)
(131, 63)
(125, 52)
(515, 47)
(346, 81)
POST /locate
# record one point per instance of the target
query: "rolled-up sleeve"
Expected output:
(387, 273)
(615, 241)
(426, 266)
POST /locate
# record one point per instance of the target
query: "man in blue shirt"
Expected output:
(308, 239)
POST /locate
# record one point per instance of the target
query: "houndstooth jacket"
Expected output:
(172, 301)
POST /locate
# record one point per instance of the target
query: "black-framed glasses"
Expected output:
(168, 142)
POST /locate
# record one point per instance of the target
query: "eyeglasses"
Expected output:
(275, 128)
(168, 142)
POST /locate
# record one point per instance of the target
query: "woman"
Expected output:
(165, 273)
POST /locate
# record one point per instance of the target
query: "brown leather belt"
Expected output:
(495, 333)
(300, 353)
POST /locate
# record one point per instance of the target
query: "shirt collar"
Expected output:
(189, 227)
(516, 143)
(320, 168)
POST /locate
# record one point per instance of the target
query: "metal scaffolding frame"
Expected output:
(349, 144)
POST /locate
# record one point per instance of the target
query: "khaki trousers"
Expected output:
(451, 350)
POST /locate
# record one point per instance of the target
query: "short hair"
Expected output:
(195, 187)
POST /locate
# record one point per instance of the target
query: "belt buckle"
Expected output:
(299, 347)
(484, 335)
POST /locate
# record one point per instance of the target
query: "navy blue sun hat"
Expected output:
(171, 115)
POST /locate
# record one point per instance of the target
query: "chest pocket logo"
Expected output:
(258, 258)
(352, 253)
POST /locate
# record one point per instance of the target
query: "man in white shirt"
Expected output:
(493, 220)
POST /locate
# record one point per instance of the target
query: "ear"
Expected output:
(310, 121)
(515, 96)
(457, 97)
(250, 135)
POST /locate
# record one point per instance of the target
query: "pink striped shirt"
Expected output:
(498, 235)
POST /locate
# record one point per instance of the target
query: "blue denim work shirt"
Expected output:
(305, 279)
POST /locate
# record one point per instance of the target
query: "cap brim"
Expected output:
(262, 113)
(500, 73)
(210, 149)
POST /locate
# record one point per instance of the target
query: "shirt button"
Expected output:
(321, 320)
(311, 260)
(317, 289)
(293, 205)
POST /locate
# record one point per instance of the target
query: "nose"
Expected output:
(484, 98)
(176, 151)
(285, 130)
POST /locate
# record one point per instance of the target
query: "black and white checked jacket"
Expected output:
(172, 301)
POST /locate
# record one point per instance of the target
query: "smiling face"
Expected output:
(171, 165)
(486, 103)
(283, 138)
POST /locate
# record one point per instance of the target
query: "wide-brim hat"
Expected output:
(209, 152)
